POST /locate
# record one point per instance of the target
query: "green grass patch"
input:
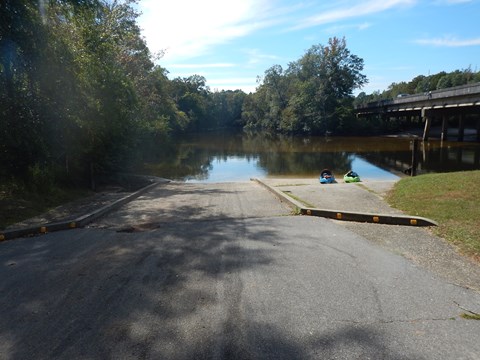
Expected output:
(17, 203)
(365, 188)
(451, 199)
(307, 204)
(296, 211)
(282, 185)
(470, 316)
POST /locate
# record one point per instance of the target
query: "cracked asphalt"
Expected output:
(224, 271)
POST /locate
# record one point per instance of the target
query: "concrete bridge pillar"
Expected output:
(444, 135)
(427, 117)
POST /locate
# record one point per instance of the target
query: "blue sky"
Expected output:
(231, 42)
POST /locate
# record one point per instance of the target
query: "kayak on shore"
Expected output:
(351, 177)
(326, 177)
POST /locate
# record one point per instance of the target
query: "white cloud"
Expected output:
(364, 26)
(247, 84)
(256, 56)
(339, 28)
(201, 66)
(449, 42)
(238, 80)
(188, 28)
(352, 10)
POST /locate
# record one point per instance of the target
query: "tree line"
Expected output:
(80, 92)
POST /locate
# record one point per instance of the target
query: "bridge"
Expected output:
(460, 103)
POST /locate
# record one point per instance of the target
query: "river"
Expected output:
(224, 157)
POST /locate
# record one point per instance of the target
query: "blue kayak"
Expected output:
(326, 177)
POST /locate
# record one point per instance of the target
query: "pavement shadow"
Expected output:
(169, 293)
(93, 293)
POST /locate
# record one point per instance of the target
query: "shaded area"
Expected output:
(107, 294)
(20, 208)
(110, 295)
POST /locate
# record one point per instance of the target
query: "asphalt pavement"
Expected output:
(225, 271)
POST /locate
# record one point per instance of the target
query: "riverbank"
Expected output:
(18, 205)
(22, 207)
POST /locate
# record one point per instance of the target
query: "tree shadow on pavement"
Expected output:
(174, 292)
(90, 293)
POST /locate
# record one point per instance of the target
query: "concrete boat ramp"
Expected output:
(362, 202)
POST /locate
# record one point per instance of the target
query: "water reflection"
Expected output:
(222, 157)
(230, 168)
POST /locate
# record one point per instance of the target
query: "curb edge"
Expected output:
(77, 222)
(350, 215)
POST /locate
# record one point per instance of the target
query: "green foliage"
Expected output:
(21, 128)
(312, 96)
(41, 179)
(79, 91)
(225, 109)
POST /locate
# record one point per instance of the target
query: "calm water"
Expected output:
(222, 157)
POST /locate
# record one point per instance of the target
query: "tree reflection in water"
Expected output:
(216, 157)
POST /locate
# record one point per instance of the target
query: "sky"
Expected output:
(232, 42)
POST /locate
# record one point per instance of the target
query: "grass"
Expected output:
(281, 185)
(288, 193)
(451, 199)
(365, 188)
(17, 203)
(470, 316)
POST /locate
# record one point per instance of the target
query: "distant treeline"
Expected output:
(81, 94)
(422, 84)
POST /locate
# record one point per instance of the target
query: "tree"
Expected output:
(21, 41)
(312, 96)
(225, 109)
(191, 96)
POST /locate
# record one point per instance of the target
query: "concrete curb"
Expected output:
(78, 222)
(350, 215)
